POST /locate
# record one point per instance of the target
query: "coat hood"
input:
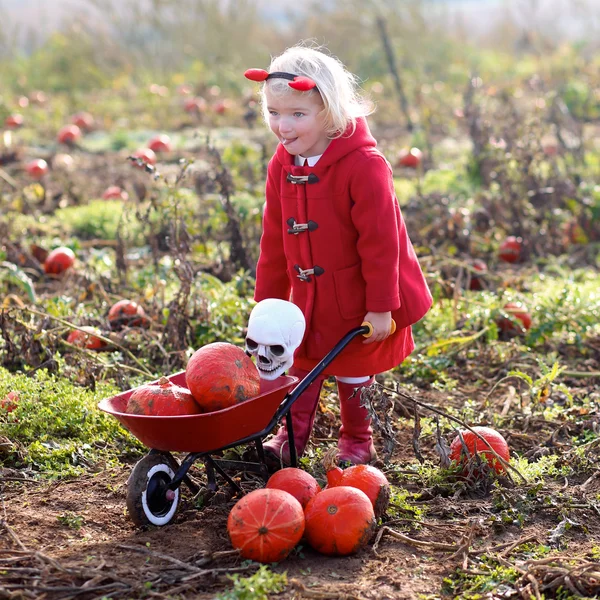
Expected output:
(339, 147)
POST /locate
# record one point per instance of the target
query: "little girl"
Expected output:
(334, 242)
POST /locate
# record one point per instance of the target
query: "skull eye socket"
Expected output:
(277, 350)
(252, 345)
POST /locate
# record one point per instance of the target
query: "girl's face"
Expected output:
(296, 119)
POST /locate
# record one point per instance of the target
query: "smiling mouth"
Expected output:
(286, 141)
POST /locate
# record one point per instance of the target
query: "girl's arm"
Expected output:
(377, 219)
(271, 271)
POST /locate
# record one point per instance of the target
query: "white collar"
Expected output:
(311, 161)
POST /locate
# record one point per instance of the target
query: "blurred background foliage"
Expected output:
(108, 43)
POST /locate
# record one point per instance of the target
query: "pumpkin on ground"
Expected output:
(476, 446)
(85, 338)
(300, 484)
(220, 375)
(9, 402)
(265, 525)
(127, 313)
(162, 399)
(59, 260)
(516, 320)
(339, 520)
(366, 478)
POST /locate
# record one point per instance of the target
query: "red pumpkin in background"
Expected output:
(37, 168)
(222, 106)
(300, 484)
(14, 121)
(510, 249)
(475, 445)
(162, 399)
(410, 157)
(518, 312)
(59, 260)
(114, 192)
(83, 120)
(265, 525)
(9, 402)
(339, 521)
(481, 268)
(160, 143)
(85, 338)
(220, 375)
(195, 105)
(145, 155)
(68, 134)
(127, 313)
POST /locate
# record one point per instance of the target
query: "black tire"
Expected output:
(146, 492)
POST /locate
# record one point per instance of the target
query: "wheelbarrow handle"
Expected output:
(370, 332)
(366, 329)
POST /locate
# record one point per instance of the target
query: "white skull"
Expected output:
(275, 330)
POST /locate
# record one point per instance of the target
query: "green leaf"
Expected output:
(16, 275)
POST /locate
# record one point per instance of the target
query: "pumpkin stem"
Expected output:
(262, 530)
(164, 382)
(334, 477)
(329, 460)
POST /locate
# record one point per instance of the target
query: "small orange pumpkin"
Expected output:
(476, 446)
(162, 399)
(85, 338)
(366, 478)
(300, 484)
(339, 521)
(265, 525)
(220, 375)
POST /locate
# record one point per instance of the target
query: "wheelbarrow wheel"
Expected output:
(149, 500)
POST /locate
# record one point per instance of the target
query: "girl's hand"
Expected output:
(382, 325)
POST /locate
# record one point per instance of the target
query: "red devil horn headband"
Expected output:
(297, 82)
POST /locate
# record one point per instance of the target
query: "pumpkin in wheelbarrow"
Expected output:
(162, 399)
(220, 375)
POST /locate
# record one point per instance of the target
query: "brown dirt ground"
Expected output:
(190, 557)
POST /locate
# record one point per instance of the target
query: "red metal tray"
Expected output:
(205, 432)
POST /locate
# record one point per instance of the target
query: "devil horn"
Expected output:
(302, 84)
(256, 74)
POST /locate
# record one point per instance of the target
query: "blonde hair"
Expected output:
(339, 89)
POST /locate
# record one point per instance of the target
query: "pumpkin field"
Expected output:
(133, 157)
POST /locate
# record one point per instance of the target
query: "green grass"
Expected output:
(57, 428)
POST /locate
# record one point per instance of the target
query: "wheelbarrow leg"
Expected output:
(292, 443)
(264, 471)
(211, 466)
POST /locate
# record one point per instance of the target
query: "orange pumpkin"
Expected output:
(126, 313)
(221, 375)
(339, 521)
(476, 446)
(85, 338)
(162, 399)
(265, 525)
(300, 484)
(366, 478)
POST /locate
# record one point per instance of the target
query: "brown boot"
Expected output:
(355, 442)
(277, 450)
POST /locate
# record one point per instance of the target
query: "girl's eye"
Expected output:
(273, 113)
(298, 114)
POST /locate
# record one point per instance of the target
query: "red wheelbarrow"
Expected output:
(153, 486)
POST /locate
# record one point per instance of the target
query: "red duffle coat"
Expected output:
(345, 223)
